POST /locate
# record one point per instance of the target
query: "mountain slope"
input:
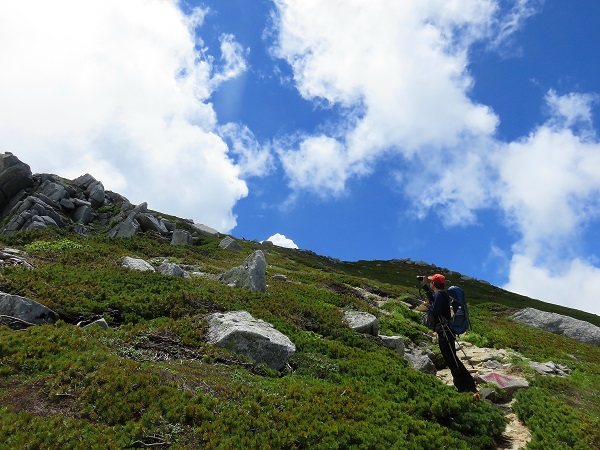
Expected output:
(151, 380)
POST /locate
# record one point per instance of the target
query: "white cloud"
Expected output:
(120, 90)
(318, 165)
(551, 192)
(282, 241)
(575, 286)
(253, 159)
(550, 180)
(400, 70)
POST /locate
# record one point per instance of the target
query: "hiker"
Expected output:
(439, 304)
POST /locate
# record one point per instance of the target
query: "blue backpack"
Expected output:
(459, 323)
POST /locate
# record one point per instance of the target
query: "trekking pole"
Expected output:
(461, 349)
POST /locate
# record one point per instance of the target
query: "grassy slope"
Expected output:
(152, 379)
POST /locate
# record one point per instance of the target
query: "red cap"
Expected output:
(437, 278)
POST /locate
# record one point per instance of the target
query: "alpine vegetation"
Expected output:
(123, 327)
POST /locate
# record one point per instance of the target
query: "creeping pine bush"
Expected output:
(152, 378)
(52, 246)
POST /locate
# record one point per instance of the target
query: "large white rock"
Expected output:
(579, 330)
(137, 264)
(241, 333)
(25, 309)
(362, 322)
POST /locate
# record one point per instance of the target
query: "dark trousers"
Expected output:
(460, 375)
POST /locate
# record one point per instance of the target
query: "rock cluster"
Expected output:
(31, 201)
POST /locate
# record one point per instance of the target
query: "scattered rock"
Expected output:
(239, 332)
(26, 310)
(362, 322)
(420, 361)
(98, 323)
(394, 342)
(182, 237)
(508, 383)
(205, 230)
(251, 274)
(137, 264)
(230, 244)
(172, 269)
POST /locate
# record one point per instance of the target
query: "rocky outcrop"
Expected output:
(46, 200)
(26, 310)
(14, 177)
(579, 330)
(241, 333)
(251, 274)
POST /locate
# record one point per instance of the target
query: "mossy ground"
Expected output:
(152, 379)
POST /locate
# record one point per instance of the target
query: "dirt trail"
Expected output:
(516, 435)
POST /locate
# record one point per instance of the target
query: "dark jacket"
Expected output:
(439, 303)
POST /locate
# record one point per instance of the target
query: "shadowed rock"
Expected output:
(14, 176)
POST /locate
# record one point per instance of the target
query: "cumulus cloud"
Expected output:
(574, 286)
(120, 90)
(550, 190)
(399, 69)
(282, 241)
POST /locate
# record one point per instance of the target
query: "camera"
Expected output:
(420, 277)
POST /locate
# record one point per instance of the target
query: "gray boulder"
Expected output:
(241, 333)
(251, 274)
(149, 222)
(394, 342)
(84, 181)
(83, 214)
(98, 323)
(130, 226)
(26, 310)
(362, 322)
(137, 264)
(205, 230)
(172, 269)
(52, 193)
(181, 237)
(420, 361)
(549, 368)
(230, 244)
(95, 194)
(14, 176)
(579, 330)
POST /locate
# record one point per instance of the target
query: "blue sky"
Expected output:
(460, 133)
